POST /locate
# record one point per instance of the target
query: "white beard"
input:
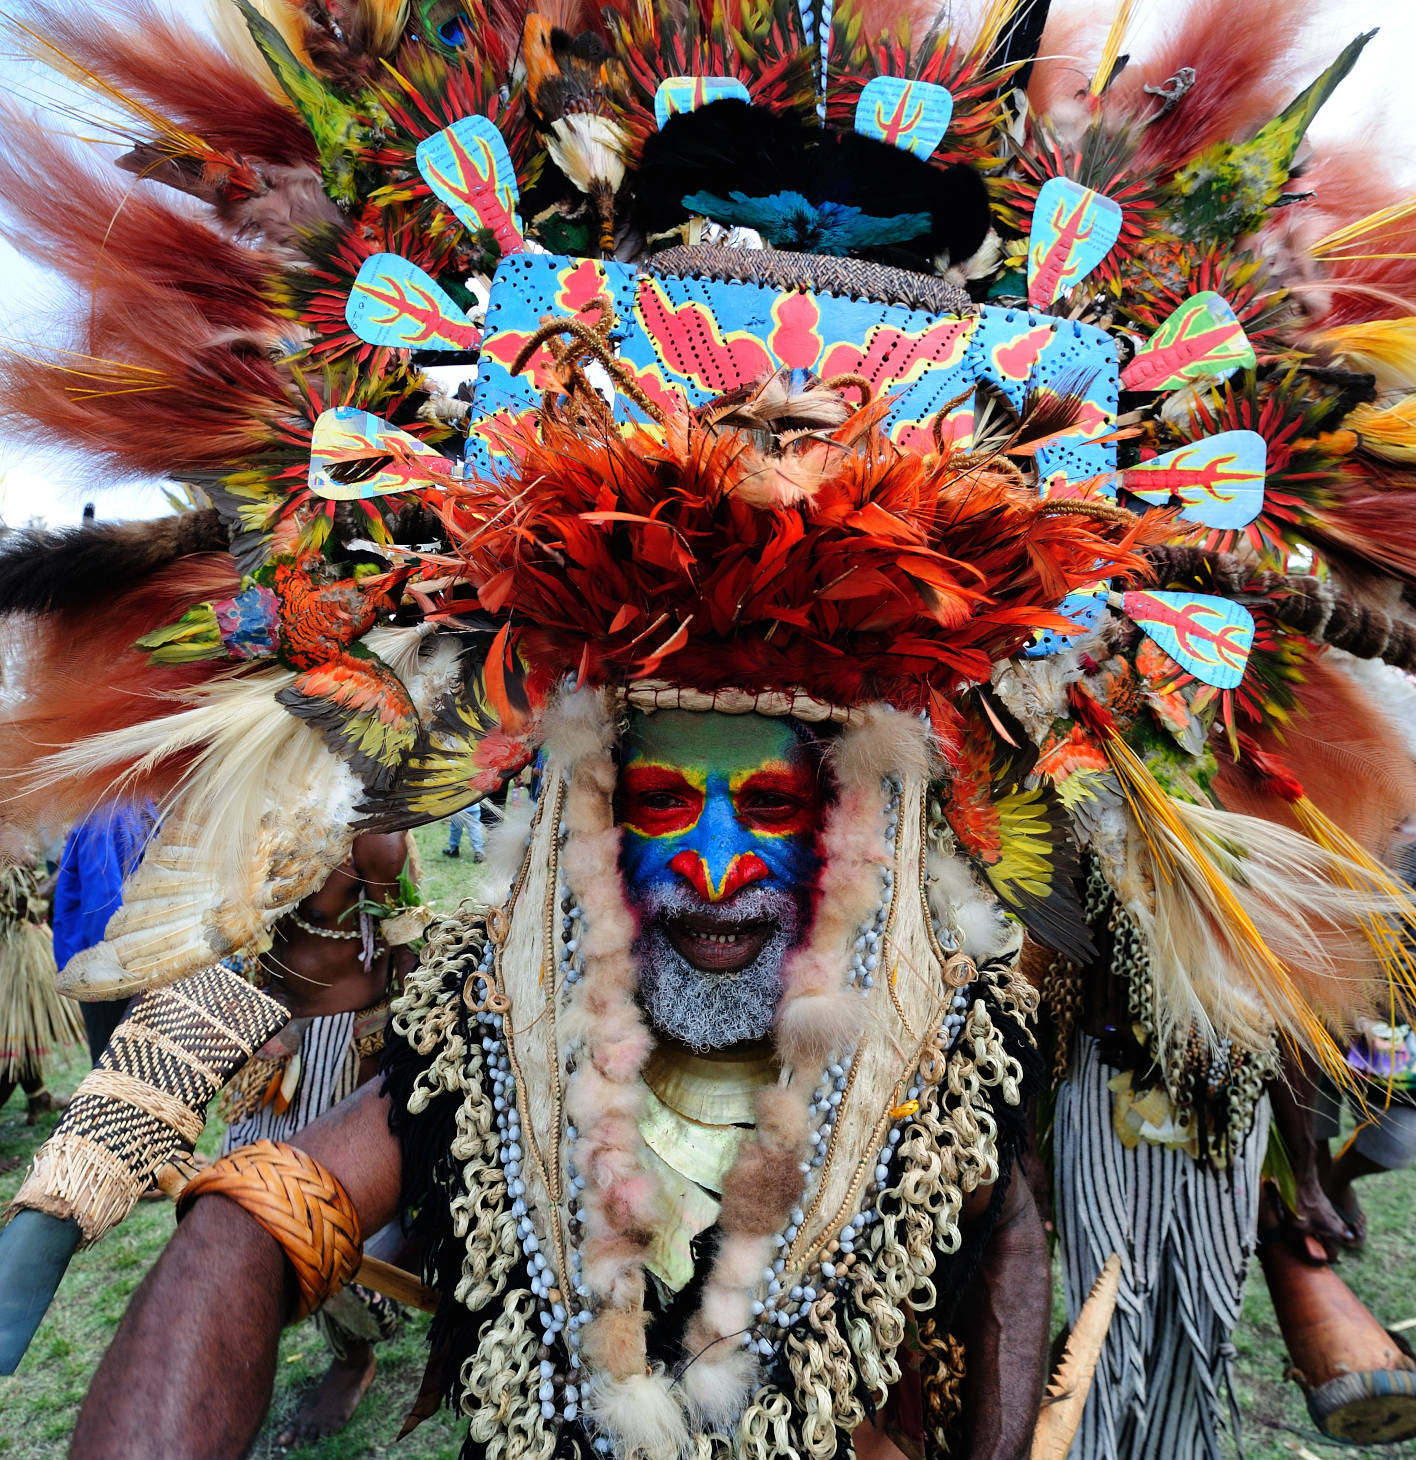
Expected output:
(705, 1009)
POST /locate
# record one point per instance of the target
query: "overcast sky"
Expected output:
(1378, 94)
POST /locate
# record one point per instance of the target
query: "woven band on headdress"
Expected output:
(660, 694)
(848, 278)
(144, 1104)
(300, 1203)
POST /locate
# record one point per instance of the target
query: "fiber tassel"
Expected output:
(1251, 925)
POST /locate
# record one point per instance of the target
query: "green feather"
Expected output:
(1229, 189)
(332, 121)
(196, 635)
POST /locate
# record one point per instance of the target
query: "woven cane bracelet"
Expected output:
(301, 1205)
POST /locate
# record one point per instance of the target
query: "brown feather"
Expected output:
(65, 699)
(1349, 758)
(119, 238)
(138, 49)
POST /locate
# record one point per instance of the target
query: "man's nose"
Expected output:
(742, 870)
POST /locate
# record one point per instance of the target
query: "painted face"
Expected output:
(719, 815)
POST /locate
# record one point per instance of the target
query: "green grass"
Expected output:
(40, 1402)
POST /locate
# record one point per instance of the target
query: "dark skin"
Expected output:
(1003, 1320)
(183, 1326)
(215, 1302)
(325, 976)
(1316, 1216)
(206, 1320)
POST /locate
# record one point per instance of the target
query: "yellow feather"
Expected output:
(1332, 246)
(1388, 432)
(384, 22)
(1253, 927)
(1385, 347)
(991, 25)
(235, 37)
(1120, 24)
(48, 53)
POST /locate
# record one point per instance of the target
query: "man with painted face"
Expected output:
(720, 830)
(719, 823)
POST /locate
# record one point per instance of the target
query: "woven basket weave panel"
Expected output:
(140, 1140)
(155, 1065)
(216, 1020)
(851, 278)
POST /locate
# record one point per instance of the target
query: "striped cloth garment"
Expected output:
(329, 1070)
(1185, 1234)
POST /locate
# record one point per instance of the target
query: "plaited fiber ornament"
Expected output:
(300, 1203)
(139, 1111)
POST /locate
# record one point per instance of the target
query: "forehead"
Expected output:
(714, 742)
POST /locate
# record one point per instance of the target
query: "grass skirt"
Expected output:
(35, 1018)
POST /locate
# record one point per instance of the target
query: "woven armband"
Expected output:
(301, 1205)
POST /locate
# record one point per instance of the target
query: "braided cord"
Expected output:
(300, 1203)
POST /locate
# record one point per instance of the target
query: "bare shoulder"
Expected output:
(379, 856)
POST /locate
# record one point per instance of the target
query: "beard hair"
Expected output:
(698, 1007)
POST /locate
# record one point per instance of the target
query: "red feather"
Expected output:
(1242, 57)
(1351, 760)
(66, 698)
(115, 236)
(897, 577)
(144, 53)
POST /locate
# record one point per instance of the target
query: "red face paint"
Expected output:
(743, 871)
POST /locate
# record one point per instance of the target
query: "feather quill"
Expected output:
(1251, 927)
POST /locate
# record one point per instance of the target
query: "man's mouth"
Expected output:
(718, 945)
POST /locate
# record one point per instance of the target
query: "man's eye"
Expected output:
(662, 801)
(767, 804)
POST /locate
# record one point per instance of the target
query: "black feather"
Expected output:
(725, 145)
(48, 572)
(731, 146)
(1017, 45)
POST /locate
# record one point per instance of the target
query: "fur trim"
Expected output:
(76, 567)
(765, 1180)
(507, 842)
(578, 724)
(639, 1414)
(882, 742)
(819, 1015)
(813, 1020)
(602, 1026)
(719, 1391)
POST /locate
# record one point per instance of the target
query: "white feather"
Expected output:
(589, 149)
(964, 906)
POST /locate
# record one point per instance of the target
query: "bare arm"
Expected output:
(191, 1368)
(1294, 1098)
(1003, 1322)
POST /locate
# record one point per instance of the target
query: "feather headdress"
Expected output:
(353, 171)
(973, 392)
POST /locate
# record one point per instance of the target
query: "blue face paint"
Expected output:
(717, 803)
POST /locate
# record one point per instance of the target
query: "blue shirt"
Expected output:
(98, 854)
